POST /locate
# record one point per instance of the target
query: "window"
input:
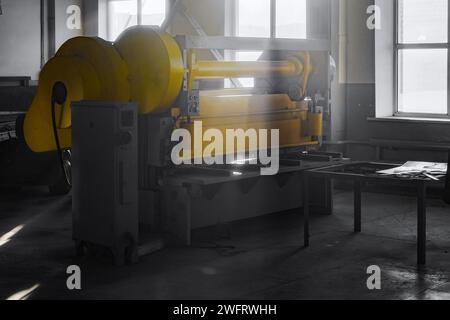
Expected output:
(422, 58)
(255, 18)
(123, 14)
(291, 19)
(153, 12)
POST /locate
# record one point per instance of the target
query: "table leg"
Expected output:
(305, 211)
(421, 224)
(357, 206)
(329, 196)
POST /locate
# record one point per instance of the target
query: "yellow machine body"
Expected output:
(156, 67)
(91, 69)
(146, 66)
(236, 109)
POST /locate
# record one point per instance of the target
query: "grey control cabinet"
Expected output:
(104, 177)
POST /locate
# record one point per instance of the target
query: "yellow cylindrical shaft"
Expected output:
(241, 69)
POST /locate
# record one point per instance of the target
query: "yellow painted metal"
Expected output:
(111, 70)
(315, 124)
(91, 69)
(209, 69)
(232, 109)
(156, 67)
(307, 70)
(220, 103)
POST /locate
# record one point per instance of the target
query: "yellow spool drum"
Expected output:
(111, 69)
(91, 69)
(156, 67)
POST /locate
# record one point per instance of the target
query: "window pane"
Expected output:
(291, 19)
(121, 15)
(253, 18)
(153, 12)
(422, 81)
(423, 21)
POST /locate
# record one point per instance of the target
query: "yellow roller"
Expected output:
(241, 69)
(209, 69)
(91, 69)
(156, 67)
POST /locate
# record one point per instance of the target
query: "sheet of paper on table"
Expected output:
(411, 167)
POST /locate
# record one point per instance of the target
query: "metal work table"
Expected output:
(365, 172)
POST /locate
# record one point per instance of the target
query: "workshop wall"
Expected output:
(360, 99)
(20, 53)
(20, 45)
(338, 93)
(359, 44)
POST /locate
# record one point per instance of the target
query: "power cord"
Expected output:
(59, 96)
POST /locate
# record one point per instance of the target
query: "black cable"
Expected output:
(59, 95)
(58, 146)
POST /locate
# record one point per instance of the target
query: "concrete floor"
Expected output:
(261, 259)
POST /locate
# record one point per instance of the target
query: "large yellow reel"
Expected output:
(91, 69)
(156, 67)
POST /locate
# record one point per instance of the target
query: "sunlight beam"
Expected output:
(24, 294)
(4, 239)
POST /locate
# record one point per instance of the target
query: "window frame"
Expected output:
(139, 14)
(402, 46)
(232, 20)
(232, 24)
(233, 14)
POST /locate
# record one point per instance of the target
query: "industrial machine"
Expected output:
(175, 83)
